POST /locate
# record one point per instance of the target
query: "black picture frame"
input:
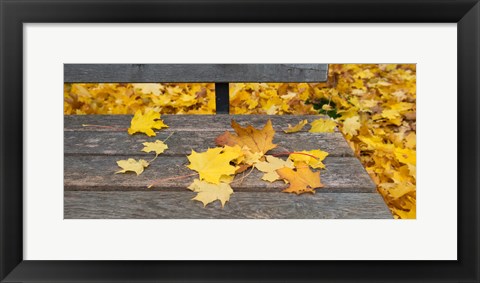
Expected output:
(466, 13)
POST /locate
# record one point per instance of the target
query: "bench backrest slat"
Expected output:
(220, 74)
(177, 73)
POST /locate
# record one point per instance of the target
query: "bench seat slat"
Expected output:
(344, 174)
(84, 73)
(179, 123)
(178, 205)
(182, 143)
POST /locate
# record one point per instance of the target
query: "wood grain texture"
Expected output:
(246, 205)
(92, 190)
(195, 73)
(189, 123)
(344, 174)
(182, 142)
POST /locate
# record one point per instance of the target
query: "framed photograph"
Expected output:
(327, 194)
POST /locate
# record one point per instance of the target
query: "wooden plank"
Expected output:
(195, 73)
(343, 174)
(243, 205)
(186, 122)
(182, 142)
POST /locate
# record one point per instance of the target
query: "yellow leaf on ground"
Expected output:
(212, 164)
(402, 214)
(296, 128)
(398, 190)
(270, 166)
(256, 140)
(157, 146)
(207, 193)
(145, 123)
(351, 125)
(406, 156)
(313, 158)
(132, 165)
(323, 126)
(303, 180)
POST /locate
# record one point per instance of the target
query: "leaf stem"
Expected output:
(168, 137)
(243, 177)
(153, 159)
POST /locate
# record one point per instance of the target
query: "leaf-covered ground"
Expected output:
(373, 104)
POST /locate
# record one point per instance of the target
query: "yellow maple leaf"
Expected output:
(323, 126)
(406, 156)
(398, 190)
(296, 128)
(351, 125)
(145, 123)
(132, 165)
(313, 158)
(212, 164)
(411, 140)
(270, 166)
(256, 140)
(251, 157)
(207, 193)
(402, 214)
(303, 180)
(247, 157)
(158, 147)
(234, 152)
(390, 114)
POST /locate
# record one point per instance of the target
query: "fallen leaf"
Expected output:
(303, 180)
(296, 128)
(145, 123)
(270, 166)
(323, 126)
(207, 192)
(132, 165)
(212, 164)
(234, 152)
(351, 125)
(313, 158)
(256, 140)
(157, 146)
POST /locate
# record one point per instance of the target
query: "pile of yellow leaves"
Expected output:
(248, 148)
(217, 167)
(127, 98)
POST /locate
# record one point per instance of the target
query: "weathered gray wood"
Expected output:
(92, 190)
(343, 174)
(249, 205)
(195, 72)
(182, 142)
(192, 123)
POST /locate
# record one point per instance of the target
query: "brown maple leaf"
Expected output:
(303, 180)
(256, 140)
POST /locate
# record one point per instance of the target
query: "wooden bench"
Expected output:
(93, 191)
